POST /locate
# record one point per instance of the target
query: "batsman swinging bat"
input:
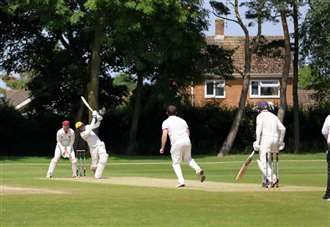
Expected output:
(244, 167)
(86, 103)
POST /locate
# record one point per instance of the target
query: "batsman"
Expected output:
(270, 134)
(96, 146)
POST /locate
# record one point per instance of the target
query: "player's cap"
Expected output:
(79, 124)
(66, 123)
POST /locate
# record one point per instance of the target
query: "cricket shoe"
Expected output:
(265, 184)
(326, 197)
(201, 175)
(275, 184)
(181, 186)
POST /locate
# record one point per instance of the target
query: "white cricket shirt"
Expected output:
(177, 129)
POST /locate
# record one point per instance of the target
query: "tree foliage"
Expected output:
(316, 46)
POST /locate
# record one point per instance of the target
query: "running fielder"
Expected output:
(326, 134)
(64, 147)
(270, 134)
(96, 146)
(178, 131)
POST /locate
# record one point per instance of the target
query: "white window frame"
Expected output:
(214, 88)
(269, 85)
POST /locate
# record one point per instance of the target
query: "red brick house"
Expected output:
(266, 73)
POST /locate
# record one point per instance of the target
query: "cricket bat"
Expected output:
(86, 103)
(244, 167)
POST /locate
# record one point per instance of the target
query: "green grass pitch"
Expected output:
(92, 204)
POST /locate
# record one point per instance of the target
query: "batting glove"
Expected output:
(256, 146)
(282, 145)
(99, 117)
(94, 114)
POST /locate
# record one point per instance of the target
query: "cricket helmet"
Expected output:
(79, 124)
(262, 106)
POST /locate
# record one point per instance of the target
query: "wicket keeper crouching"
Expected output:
(64, 147)
(96, 146)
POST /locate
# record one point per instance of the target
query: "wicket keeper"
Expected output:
(96, 146)
(270, 134)
(326, 134)
(64, 147)
(178, 131)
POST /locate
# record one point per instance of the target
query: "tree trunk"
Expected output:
(95, 65)
(228, 143)
(295, 79)
(286, 66)
(132, 143)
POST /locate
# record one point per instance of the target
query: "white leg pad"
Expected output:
(53, 162)
(101, 165)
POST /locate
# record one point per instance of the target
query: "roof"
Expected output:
(18, 98)
(264, 64)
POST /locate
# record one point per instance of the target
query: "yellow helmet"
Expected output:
(79, 124)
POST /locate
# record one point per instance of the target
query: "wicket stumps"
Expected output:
(272, 164)
(81, 170)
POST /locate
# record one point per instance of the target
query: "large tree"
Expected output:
(316, 47)
(163, 45)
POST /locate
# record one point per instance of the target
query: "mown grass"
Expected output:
(113, 205)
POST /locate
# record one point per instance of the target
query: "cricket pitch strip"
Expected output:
(209, 186)
(5, 190)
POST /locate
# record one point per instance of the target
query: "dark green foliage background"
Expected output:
(35, 134)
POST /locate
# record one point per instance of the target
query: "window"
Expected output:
(215, 89)
(265, 89)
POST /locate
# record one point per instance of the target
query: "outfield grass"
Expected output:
(90, 204)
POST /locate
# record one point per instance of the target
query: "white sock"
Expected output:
(178, 172)
(51, 169)
(194, 165)
(74, 169)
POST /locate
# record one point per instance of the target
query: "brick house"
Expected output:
(266, 73)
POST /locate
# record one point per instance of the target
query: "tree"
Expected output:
(61, 44)
(159, 37)
(219, 9)
(296, 35)
(316, 47)
(282, 8)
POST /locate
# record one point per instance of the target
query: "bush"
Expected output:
(209, 125)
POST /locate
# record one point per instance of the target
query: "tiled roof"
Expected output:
(260, 64)
(17, 97)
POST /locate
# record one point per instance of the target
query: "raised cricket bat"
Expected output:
(244, 167)
(86, 103)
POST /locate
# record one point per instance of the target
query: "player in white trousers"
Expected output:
(270, 134)
(96, 146)
(326, 134)
(178, 131)
(64, 147)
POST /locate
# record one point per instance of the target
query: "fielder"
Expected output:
(64, 147)
(270, 134)
(178, 131)
(326, 134)
(96, 146)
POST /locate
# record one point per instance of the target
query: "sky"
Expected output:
(233, 29)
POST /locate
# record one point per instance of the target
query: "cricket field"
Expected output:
(140, 191)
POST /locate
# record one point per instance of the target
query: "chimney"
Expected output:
(219, 30)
